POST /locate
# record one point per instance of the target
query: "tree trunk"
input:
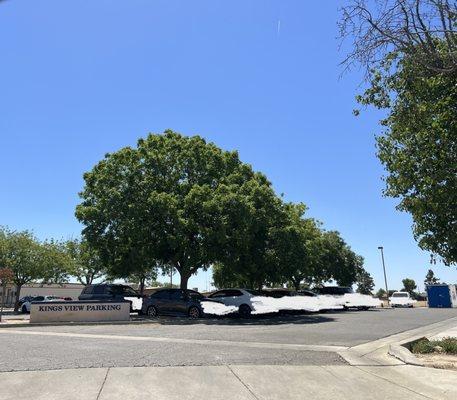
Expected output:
(297, 285)
(3, 300)
(18, 295)
(142, 280)
(184, 281)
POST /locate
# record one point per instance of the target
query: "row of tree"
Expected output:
(410, 286)
(183, 203)
(180, 203)
(30, 260)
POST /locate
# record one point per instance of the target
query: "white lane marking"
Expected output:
(263, 345)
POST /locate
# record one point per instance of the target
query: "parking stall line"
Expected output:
(265, 345)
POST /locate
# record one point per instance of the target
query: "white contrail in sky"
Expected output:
(279, 26)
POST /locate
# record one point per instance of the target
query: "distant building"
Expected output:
(71, 290)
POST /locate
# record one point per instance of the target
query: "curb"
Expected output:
(31, 325)
(402, 353)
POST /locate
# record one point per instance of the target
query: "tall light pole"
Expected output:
(384, 268)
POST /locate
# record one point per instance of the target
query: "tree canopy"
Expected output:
(409, 49)
(85, 263)
(409, 285)
(430, 278)
(31, 260)
(365, 283)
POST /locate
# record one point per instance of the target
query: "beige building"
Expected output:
(70, 290)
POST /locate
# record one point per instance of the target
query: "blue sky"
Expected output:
(82, 78)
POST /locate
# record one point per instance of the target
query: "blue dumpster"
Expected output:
(441, 296)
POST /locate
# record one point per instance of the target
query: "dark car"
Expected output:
(334, 290)
(113, 292)
(174, 302)
(306, 293)
(277, 293)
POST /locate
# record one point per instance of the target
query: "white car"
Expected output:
(241, 298)
(25, 308)
(401, 299)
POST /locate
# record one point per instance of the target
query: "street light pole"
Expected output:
(384, 268)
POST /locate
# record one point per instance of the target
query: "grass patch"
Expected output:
(445, 346)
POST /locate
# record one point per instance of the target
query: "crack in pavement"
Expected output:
(103, 384)
(244, 384)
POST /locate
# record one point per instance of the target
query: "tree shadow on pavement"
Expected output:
(233, 320)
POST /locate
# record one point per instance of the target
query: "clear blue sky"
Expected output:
(82, 78)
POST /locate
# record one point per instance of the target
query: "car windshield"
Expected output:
(195, 295)
(336, 290)
(400, 295)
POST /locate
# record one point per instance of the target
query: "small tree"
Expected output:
(430, 278)
(6, 276)
(365, 282)
(22, 253)
(55, 262)
(381, 294)
(86, 264)
(409, 286)
(144, 277)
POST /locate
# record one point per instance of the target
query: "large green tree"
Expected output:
(254, 217)
(167, 199)
(419, 150)
(409, 49)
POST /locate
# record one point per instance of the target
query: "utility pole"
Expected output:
(384, 268)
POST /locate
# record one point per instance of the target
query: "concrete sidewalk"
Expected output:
(232, 381)
(451, 332)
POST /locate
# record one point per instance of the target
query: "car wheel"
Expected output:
(24, 310)
(194, 313)
(245, 310)
(152, 312)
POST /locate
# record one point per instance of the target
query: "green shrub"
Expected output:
(425, 346)
(449, 345)
(422, 346)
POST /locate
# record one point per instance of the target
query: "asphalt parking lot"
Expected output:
(276, 340)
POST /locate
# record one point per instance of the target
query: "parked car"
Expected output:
(25, 308)
(113, 292)
(22, 300)
(344, 297)
(401, 299)
(174, 302)
(277, 293)
(305, 292)
(240, 298)
(334, 290)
